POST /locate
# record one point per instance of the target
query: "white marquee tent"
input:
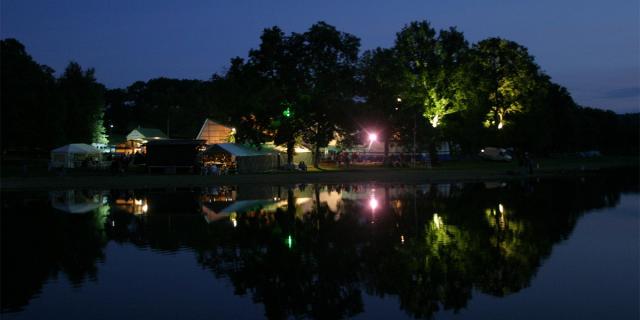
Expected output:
(72, 155)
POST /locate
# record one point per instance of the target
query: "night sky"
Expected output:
(590, 46)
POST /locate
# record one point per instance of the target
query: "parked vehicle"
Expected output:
(495, 154)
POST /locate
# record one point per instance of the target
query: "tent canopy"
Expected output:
(76, 148)
(236, 150)
(72, 155)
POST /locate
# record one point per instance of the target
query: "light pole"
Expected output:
(372, 138)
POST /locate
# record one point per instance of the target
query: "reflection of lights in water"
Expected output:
(145, 208)
(233, 218)
(373, 202)
(437, 221)
(402, 239)
(500, 207)
(289, 241)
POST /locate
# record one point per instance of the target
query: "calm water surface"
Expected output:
(553, 248)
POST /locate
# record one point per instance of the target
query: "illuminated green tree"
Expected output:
(435, 69)
(99, 132)
(507, 79)
(83, 104)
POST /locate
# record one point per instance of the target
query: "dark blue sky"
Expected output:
(590, 46)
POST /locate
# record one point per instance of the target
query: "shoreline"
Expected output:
(481, 172)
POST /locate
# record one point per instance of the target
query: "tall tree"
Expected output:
(330, 63)
(508, 76)
(83, 104)
(278, 63)
(29, 101)
(435, 70)
(305, 83)
(381, 81)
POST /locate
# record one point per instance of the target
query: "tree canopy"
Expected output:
(40, 111)
(312, 87)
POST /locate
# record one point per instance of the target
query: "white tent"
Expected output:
(72, 155)
(247, 160)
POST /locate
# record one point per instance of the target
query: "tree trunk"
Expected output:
(291, 204)
(316, 156)
(433, 153)
(290, 149)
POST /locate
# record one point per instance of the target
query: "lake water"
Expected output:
(534, 249)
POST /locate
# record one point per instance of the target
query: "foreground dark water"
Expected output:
(554, 248)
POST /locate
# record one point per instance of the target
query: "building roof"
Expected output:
(235, 149)
(175, 142)
(80, 148)
(151, 132)
(298, 148)
(207, 121)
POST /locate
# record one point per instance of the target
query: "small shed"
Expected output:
(72, 155)
(244, 159)
(213, 132)
(137, 138)
(173, 154)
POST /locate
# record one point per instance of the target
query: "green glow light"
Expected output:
(287, 112)
(289, 241)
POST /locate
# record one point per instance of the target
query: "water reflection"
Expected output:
(310, 250)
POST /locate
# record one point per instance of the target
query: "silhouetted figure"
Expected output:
(528, 162)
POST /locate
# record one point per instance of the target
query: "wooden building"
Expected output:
(136, 139)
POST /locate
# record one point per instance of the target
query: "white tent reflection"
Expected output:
(240, 206)
(76, 202)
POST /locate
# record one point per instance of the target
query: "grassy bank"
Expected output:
(449, 172)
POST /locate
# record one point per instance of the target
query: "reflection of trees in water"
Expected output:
(430, 246)
(432, 256)
(38, 245)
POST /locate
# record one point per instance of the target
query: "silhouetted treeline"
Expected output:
(314, 86)
(40, 111)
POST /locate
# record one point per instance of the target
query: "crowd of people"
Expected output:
(120, 163)
(213, 170)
